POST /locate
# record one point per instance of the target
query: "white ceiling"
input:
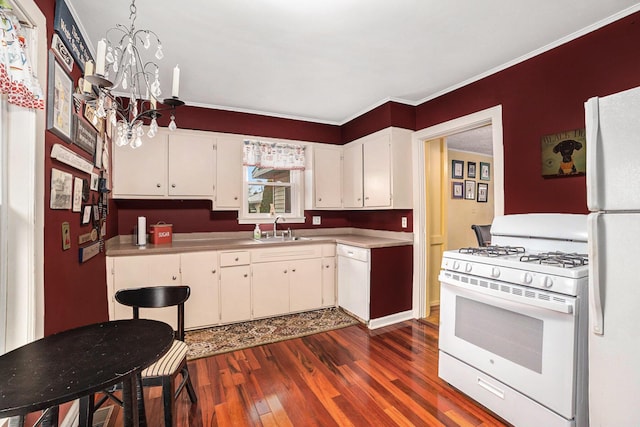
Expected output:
(330, 60)
(478, 140)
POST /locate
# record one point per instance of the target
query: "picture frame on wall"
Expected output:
(485, 171)
(469, 190)
(564, 154)
(483, 192)
(87, 210)
(59, 101)
(457, 190)
(85, 136)
(457, 169)
(471, 169)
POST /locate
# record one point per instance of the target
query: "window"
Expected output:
(273, 182)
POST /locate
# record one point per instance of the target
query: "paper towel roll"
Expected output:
(142, 230)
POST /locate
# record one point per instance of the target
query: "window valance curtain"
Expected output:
(273, 155)
(16, 76)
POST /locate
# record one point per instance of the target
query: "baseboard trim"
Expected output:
(390, 320)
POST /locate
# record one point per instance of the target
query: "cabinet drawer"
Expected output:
(228, 259)
(328, 250)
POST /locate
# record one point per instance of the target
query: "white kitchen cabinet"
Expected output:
(191, 163)
(383, 176)
(229, 172)
(270, 293)
(141, 171)
(201, 273)
(235, 286)
(305, 284)
(170, 165)
(140, 271)
(328, 275)
(327, 177)
(352, 175)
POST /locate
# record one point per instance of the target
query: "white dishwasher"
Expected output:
(353, 280)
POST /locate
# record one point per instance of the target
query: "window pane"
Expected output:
(255, 174)
(261, 197)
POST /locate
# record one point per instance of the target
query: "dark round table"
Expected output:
(79, 362)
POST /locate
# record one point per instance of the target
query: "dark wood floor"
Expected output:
(347, 377)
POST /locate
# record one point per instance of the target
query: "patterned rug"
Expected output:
(222, 339)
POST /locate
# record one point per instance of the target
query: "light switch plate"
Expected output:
(404, 222)
(315, 220)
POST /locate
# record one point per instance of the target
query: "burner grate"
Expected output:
(493, 251)
(560, 259)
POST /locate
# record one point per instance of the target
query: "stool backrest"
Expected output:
(483, 234)
(156, 297)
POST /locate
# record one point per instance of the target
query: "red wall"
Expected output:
(541, 96)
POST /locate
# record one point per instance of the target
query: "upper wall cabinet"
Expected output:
(324, 189)
(378, 171)
(172, 164)
(229, 172)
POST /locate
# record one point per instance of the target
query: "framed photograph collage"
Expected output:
(470, 175)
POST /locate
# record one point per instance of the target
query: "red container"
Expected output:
(161, 233)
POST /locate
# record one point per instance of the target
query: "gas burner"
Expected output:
(560, 259)
(493, 251)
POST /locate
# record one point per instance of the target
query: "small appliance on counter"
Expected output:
(161, 233)
(140, 231)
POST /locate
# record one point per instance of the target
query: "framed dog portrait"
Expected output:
(564, 154)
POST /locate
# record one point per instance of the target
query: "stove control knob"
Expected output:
(526, 278)
(468, 267)
(547, 282)
(456, 265)
(495, 272)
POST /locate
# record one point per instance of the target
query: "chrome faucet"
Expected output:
(275, 225)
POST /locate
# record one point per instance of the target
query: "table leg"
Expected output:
(130, 406)
(51, 417)
(142, 414)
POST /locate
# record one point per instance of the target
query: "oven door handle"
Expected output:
(513, 302)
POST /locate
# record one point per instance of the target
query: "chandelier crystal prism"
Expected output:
(121, 67)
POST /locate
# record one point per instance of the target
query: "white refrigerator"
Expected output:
(613, 197)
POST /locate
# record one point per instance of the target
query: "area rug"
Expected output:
(222, 339)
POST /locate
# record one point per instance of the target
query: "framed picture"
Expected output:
(94, 181)
(483, 192)
(470, 190)
(471, 169)
(564, 154)
(90, 115)
(86, 214)
(485, 171)
(456, 190)
(61, 51)
(59, 101)
(61, 186)
(78, 186)
(457, 169)
(97, 159)
(85, 136)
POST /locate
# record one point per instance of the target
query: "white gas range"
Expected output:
(513, 320)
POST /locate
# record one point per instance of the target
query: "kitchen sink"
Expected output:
(281, 239)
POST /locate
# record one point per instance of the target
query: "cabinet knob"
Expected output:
(173, 186)
(319, 199)
(213, 271)
(366, 198)
(285, 272)
(294, 270)
(174, 277)
(237, 259)
(326, 266)
(245, 274)
(359, 198)
(235, 198)
(158, 185)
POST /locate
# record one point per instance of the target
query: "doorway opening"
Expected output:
(434, 189)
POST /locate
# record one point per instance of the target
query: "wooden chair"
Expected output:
(166, 369)
(483, 234)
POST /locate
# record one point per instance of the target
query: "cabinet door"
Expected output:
(147, 270)
(200, 273)
(141, 171)
(235, 294)
(327, 177)
(377, 171)
(192, 160)
(328, 282)
(306, 284)
(352, 176)
(229, 172)
(270, 293)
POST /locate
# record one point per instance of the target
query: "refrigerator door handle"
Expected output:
(596, 313)
(592, 120)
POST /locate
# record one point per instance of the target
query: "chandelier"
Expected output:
(120, 66)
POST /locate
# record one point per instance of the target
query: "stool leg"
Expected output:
(168, 400)
(51, 417)
(87, 408)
